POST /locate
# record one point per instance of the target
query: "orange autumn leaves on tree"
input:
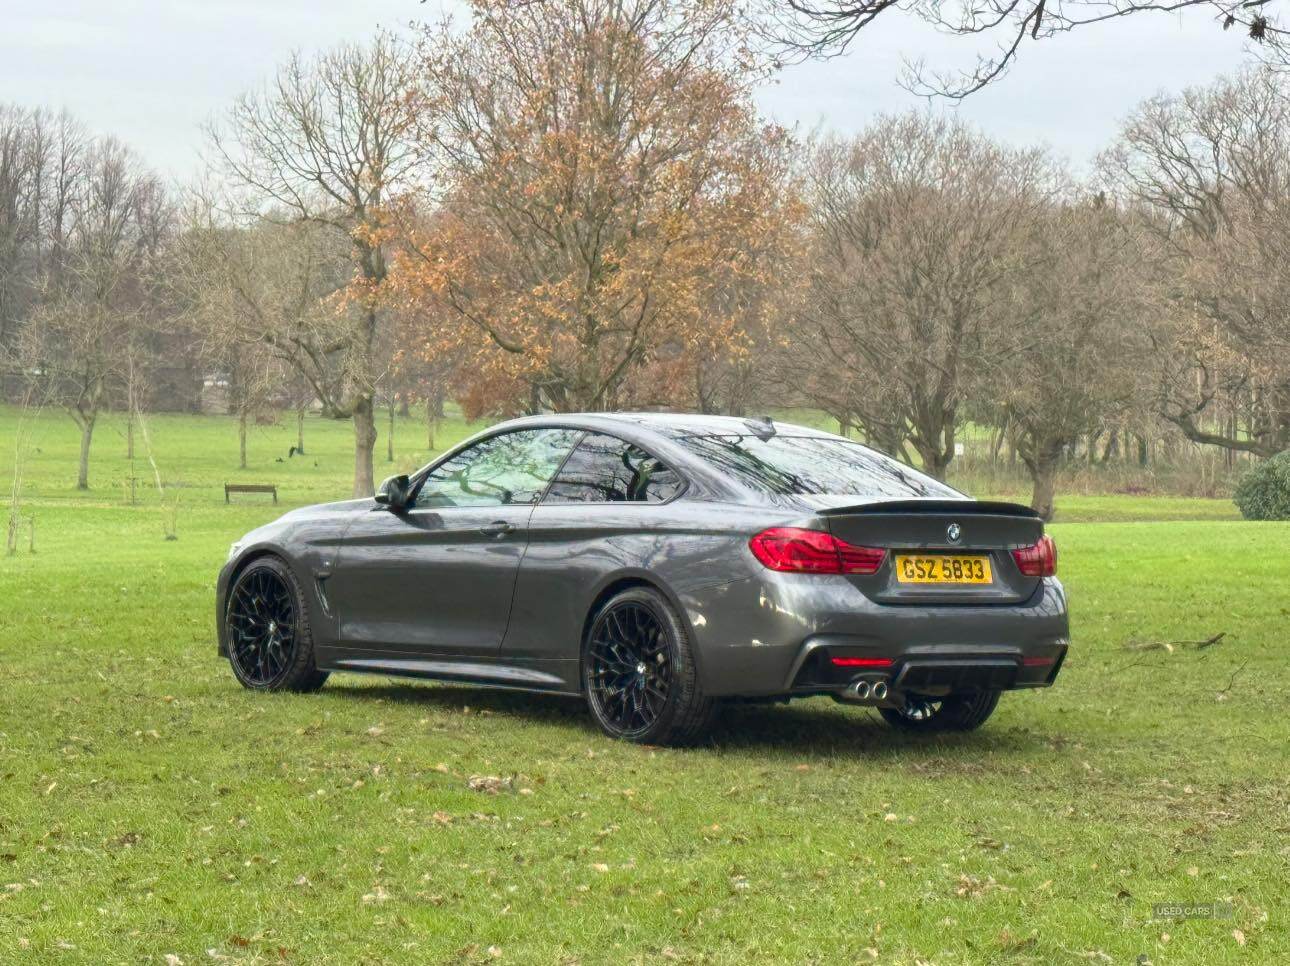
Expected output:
(611, 203)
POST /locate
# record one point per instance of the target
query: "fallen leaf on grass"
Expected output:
(491, 784)
(971, 886)
(1013, 943)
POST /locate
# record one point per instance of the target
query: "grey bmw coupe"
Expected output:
(658, 564)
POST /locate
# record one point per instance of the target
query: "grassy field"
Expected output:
(152, 811)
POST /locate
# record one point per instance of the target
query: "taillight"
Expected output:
(1039, 560)
(794, 550)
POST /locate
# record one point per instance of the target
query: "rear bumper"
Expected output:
(932, 670)
(778, 635)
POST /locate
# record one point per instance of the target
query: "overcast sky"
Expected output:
(152, 71)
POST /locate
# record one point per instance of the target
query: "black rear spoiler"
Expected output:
(958, 507)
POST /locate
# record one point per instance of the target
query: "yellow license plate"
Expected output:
(911, 569)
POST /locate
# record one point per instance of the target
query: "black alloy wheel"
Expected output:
(639, 671)
(631, 667)
(269, 644)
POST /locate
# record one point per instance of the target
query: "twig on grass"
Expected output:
(1232, 679)
(1138, 663)
(1169, 646)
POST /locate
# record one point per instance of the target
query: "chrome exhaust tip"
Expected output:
(879, 691)
(861, 690)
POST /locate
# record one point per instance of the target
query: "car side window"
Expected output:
(503, 470)
(604, 469)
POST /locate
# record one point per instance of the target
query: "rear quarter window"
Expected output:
(605, 469)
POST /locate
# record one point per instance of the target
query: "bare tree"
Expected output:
(328, 142)
(828, 27)
(1069, 359)
(29, 408)
(42, 167)
(261, 299)
(23, 160)
(916, 228)
(1210, 171)
(80, 336)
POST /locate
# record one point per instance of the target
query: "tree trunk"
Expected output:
(1042, 462)
(430, 422)
(1044, 490)
(241, 439)
(300, 430)
(936, 460)
(1091, 456)
(1112, 448)
(87, 435)
(996, 443)
(129, 434)
(389, 438)
(364, 444)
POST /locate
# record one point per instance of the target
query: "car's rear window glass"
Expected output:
(604, 469)
(788, 465)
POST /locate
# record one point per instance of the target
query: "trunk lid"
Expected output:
(923, 529)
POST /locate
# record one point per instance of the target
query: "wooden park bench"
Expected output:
(250, 488)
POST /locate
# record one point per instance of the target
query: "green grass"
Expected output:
(150, 807)
(196, 456)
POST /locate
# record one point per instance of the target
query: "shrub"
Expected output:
(1264, 492)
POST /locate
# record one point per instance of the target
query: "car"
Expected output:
(658, 565)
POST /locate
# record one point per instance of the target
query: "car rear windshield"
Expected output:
(791, 465)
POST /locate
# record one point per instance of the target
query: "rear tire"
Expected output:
(270, 643)
(965, 711)
(639, 674)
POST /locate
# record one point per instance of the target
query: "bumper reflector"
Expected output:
(862, 662)
(1037, 661)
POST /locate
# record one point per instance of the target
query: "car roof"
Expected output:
(675, 424)
(663, 433)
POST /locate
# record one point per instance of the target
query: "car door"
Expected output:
(438, 576)
(604, 513)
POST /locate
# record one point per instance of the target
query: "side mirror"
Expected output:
(394, 492)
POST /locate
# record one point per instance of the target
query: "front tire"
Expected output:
(639, 674)
(266, 624)
(965, 711)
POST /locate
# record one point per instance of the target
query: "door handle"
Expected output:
(498, 528)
